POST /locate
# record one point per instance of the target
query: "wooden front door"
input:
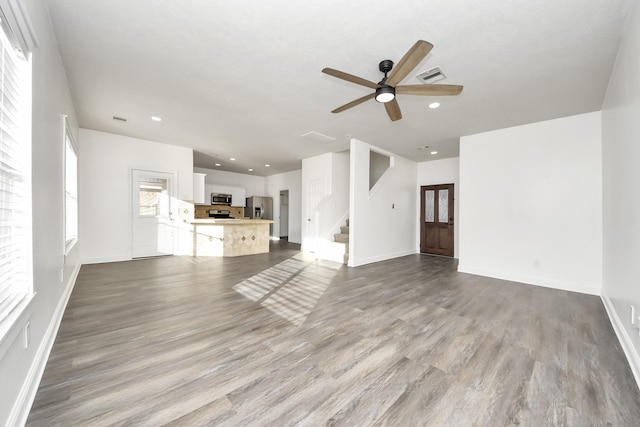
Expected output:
(436, 219)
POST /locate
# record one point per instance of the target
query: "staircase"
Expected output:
(343, 237)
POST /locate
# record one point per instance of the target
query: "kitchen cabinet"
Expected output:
(199, 196)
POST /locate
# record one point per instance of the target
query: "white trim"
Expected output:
(15, 322)
(378, 258)
(102, 260)
(69, 246)
(22, 406)
(532, 280)
(625, 340)
(20, 24)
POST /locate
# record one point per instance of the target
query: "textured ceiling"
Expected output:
(243, 79)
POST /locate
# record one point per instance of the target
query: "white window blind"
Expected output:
(71, 191)
(15, 172)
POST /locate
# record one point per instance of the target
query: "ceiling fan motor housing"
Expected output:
(385, 66)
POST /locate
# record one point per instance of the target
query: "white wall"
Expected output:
(382, 221)
(255, 185)
(531, 203)
(21, 368)
(621, 198)
(106, 161)
(445, 171)
(291, 181)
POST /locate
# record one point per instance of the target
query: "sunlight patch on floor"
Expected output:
(292, 288)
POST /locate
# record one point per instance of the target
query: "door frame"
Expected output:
(173, 207)
(280, 210)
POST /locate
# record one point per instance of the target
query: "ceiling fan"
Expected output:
(386, 89)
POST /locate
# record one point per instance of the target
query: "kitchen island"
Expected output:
(230, 237)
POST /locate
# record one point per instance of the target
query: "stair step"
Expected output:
(344, 229)
(342, 238)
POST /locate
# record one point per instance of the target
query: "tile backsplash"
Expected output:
(202, 211)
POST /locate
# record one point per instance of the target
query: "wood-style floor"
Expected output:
(279, 340)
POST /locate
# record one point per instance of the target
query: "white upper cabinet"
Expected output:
(199, 196)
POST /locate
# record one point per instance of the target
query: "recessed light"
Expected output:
(434, 105)
(267, 166)
(156, 119)
(434, 152)
(218, 164)
(233, 159)
(250, 170)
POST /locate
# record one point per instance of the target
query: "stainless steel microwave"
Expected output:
(220, 199)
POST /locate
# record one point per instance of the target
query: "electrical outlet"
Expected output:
(536, 263)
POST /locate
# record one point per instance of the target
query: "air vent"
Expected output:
(431, 76)
(120, 119)
(317, 137)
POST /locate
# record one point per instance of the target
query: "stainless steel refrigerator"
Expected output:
(259, 207)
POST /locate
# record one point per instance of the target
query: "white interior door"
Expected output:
(315, 193)
(153, 231)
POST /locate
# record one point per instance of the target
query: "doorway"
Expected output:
(284, 214)
(436, 219)
(152, 213)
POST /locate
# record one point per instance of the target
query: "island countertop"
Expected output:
(229, 221)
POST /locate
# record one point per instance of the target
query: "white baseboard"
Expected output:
(532, 280)
(378, 258)
(102, 260)
(20, 412)
(623, 337)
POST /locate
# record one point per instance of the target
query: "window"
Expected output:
(15, 174)
(153, 196)
(70, 191)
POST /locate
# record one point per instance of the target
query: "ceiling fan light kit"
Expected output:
(386, 89)
(385, 94)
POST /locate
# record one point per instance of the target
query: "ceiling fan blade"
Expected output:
(350, 78)
(409, 61)
(433, 90)
(354, 103)
(393, 110)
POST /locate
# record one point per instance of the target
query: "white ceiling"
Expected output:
(242, 78)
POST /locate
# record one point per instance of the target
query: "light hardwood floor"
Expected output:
(277, 340)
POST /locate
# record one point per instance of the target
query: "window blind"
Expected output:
(15, 239)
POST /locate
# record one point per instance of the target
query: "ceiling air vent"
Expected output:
(431, 76)
(318, 137)
(120, 119)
